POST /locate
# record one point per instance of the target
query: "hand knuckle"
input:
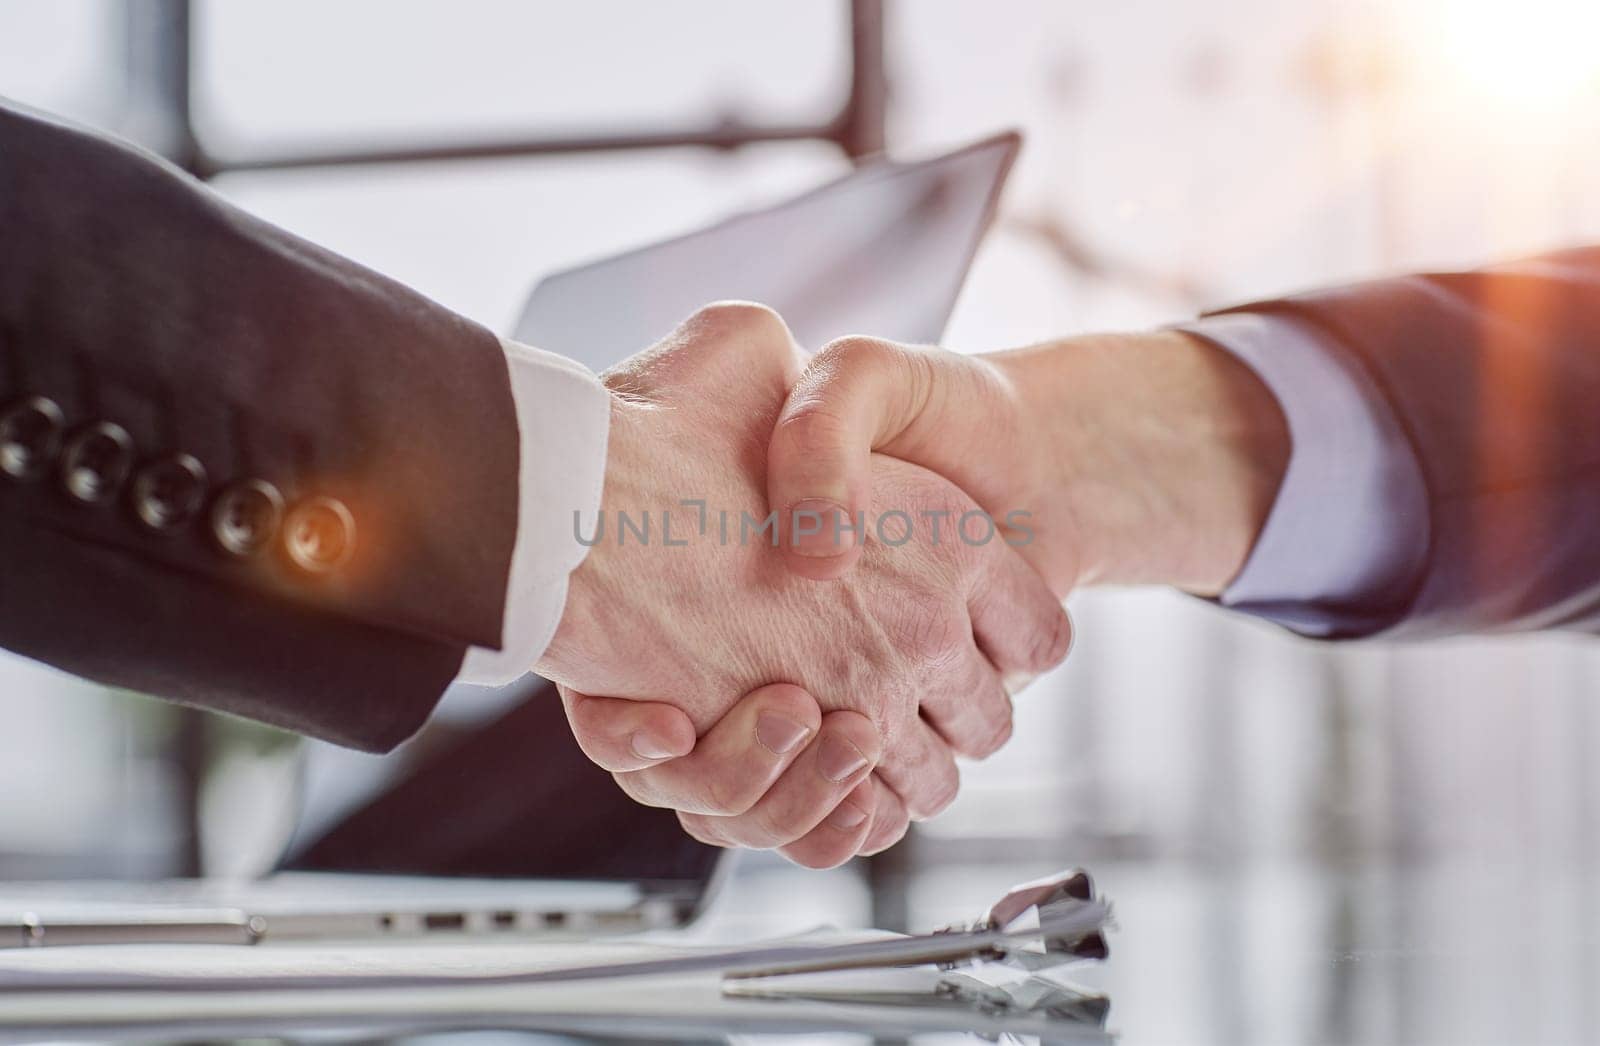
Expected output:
(819, 855)
(729, 795)
(739, 318)
(768, 828)
(1052, 642)
(812, 427)
(697, 830)
(855, 350)
(886, 838)
(589, 723)
(996, 739)
(939, 797)
(989, 729)
(635, 788)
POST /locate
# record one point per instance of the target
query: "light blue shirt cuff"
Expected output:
(1349, 526)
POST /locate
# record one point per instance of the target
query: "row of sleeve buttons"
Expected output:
(96, 462)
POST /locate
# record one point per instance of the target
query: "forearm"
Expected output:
(1149, 458)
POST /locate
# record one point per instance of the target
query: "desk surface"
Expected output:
(1444, 954)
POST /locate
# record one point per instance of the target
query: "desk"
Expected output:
(1441, 954)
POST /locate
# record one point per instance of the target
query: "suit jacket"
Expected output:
(1494, 378)
(236, 470)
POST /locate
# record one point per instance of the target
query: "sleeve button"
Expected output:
(30, 438)
(320, 535)
(245, 518)
(168, 493)
(96, 461)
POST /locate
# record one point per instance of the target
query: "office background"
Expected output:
(1179, 156)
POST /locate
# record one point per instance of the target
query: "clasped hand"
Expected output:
(804, 680)
(768, 708)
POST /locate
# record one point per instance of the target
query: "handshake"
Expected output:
(813, 582)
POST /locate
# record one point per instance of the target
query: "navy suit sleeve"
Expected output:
(1494, 378)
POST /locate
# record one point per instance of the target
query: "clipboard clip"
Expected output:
(1001, 966)
(1051, 909)
(1036, 925)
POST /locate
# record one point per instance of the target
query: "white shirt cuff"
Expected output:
(1349, 523)
(563, 417)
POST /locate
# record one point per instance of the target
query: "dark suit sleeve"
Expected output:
(1494, 378)
(236, 470)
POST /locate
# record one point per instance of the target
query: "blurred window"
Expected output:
(301, 70)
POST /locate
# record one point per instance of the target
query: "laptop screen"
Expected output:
(882, 251)
(495, 786)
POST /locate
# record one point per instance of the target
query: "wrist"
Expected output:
(1158, 455)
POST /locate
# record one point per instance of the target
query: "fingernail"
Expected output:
(838, 759)
(847, 816)
(779, 735)
(819, 529)
(647, 747)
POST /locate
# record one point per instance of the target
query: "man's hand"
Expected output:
(695, 608)
(1148, 458)
(786, 797)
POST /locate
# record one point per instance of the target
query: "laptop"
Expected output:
(491, 821)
